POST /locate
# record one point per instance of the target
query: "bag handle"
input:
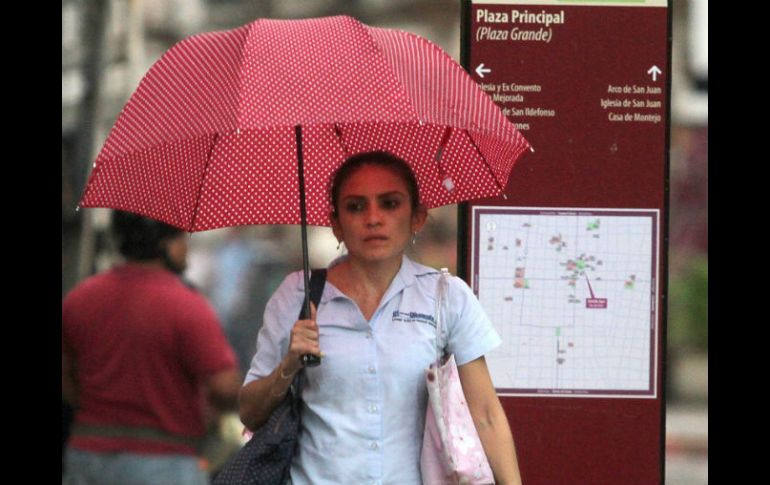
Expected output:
(443, 283)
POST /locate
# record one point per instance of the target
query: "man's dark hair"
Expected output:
(138, 237)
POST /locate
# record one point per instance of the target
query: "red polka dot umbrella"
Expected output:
(213, 135)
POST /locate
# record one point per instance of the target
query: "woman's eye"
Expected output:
(391, 203)
(354, 206)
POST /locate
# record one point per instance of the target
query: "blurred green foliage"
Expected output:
(688, 306)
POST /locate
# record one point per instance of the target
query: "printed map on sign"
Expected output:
(572, 293)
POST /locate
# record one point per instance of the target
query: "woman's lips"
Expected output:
(375, 238)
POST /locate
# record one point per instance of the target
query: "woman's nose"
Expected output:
(373, 216)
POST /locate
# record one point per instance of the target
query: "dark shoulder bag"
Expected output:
(266, 458)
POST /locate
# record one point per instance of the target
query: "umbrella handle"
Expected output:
(308, 360)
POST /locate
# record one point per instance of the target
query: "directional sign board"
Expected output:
(571, 265)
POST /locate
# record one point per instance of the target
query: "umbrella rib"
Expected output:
(203, 179)
(392, 70)
(339, 138)
(239, 106)
(486, 164)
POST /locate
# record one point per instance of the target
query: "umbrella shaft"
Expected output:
(303, 218)
(308, 360)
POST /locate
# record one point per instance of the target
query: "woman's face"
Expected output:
(374, 215)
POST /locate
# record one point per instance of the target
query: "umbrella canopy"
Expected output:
(212, 136)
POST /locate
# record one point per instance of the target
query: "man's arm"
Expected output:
(222, 389)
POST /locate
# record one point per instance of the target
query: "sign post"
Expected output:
(571, 266)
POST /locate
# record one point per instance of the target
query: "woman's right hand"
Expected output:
(302, 340)
(258, 398)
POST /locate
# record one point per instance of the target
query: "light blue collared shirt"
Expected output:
(364, 407)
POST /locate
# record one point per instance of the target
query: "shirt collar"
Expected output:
(405, 277)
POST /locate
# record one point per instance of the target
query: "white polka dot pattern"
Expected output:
(207, 140)
(146, 183)
(315, 71)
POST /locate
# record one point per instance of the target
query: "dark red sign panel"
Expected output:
(587, 86)
(587, 83)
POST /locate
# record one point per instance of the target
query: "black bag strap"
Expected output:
(317, 283)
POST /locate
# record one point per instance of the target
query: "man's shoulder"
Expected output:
(88, 286)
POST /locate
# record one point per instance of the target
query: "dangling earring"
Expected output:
(414, 238)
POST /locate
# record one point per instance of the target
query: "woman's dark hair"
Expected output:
(381, 159)
(138, 238)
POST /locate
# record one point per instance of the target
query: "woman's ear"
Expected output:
(419, 216)
(336, 229)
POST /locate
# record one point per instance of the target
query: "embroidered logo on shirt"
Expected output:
(413, 317)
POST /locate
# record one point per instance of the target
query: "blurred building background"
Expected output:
(107, 45)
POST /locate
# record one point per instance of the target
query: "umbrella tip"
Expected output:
(505, 197)
(77, 208)
(532, 149)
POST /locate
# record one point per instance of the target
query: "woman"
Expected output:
(364, 406)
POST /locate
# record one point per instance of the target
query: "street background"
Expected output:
(107, 45)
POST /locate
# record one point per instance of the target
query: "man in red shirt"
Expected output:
(141, 351)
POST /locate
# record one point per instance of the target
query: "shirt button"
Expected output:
(372, 370)
(374, 445)
(372, 408)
